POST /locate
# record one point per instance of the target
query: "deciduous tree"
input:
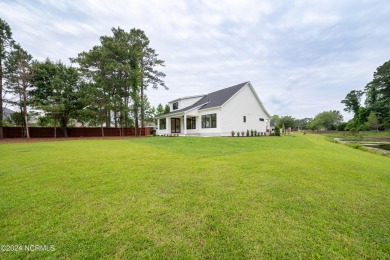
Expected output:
(373, 121)
(56, 91)
(327, 120)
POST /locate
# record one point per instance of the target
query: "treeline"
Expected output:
(327, 120)
(104, 87)
(374, 112)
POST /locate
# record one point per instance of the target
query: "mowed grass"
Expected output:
(160, 197)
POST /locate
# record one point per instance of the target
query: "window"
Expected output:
(163, 124)
(261, 119)
(191, 122)
(209, 121)
(175, 105)
(244, 119)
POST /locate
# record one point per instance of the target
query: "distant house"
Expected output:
(7, 113)
(236, 108)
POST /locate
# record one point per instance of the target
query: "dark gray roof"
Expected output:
(214, 99)
(7, 112)
(182, 98)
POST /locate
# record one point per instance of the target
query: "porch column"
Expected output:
(168, 121)
(185, 124)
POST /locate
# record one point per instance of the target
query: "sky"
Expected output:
(302, 57)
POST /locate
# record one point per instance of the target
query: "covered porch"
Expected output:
(181, 123)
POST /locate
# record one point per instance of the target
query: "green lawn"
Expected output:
(160, 197)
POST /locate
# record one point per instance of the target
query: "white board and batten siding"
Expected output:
(243, 103)
(184, 102)
(230, 115)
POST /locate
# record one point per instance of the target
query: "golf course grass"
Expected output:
(190, 197)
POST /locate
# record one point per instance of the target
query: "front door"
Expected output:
(175, 125)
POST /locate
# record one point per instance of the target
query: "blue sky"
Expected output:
(302, 57)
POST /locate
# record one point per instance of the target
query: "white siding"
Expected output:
(244, 103)
(185, 102)
(229, 116)
(209, 131)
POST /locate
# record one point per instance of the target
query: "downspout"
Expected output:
(185, 124)
(219, 118)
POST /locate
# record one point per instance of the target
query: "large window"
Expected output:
(175, 105)
(163, 124)
(191, 122)
(209, 121)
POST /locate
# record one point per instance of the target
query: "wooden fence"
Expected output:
(48, 132)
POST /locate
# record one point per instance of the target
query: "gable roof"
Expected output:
(7, 112)
(213, 99)
(183, 98)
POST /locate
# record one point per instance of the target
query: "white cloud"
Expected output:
(302, 57)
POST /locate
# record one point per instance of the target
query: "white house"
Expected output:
(237, 108)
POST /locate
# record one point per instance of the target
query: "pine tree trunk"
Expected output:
(135, 120)
(142, 97)
(25, 108)
(1, 99)
(108, 118)
(101, 121)
(115, 119)
(142, 106)
(23, 123)
(63, 126)
(55, 127)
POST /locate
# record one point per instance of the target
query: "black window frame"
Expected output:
(244, 118)
(191, 123)
(175, 105)
(209, 121)
(162, 126)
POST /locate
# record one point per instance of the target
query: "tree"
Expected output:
(327, 120)
(378, 94)
(56, 91)
(277, 130)
(373, 121)
(159, 110)
(5, 42)
(93, 101)
(150, 111)
(352, 101)
(16, 119)
(287, 121)
(147, 62)
(167, 109)
(121, 68)
(275, 118)
(18, 75)
(303, 123)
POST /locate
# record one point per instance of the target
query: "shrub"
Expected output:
(238, 133)
(255, 133)
(247, 132)
(233, 133)
(242, 133)
(277, 130)
(252, 132)
(342, 126)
